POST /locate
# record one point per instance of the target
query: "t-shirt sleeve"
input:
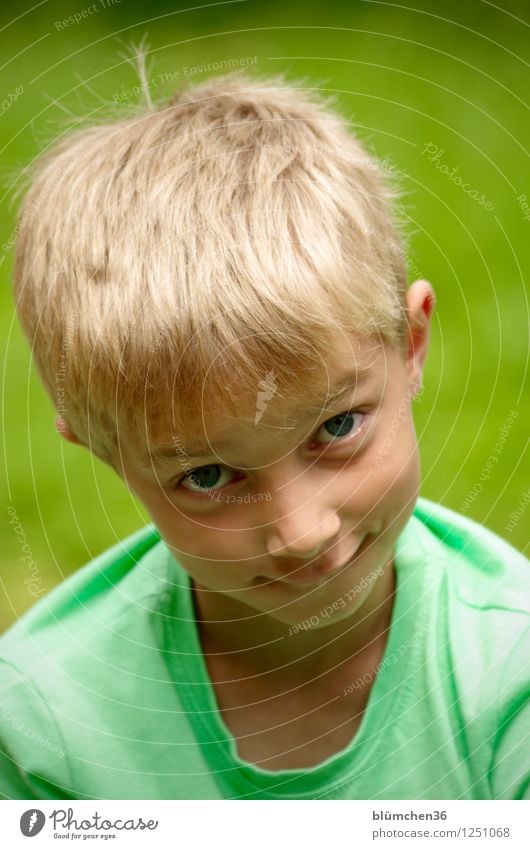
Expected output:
(33, 763)
(510, 773)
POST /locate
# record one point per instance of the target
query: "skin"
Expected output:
(357, 490)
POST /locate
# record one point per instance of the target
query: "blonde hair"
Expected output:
(236, 230)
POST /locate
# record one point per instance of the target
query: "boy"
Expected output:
(226, 285)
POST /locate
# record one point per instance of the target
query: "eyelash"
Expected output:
(206, 493)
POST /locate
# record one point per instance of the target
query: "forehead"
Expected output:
(268, 412)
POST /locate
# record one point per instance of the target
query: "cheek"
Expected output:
(397, 461)
(216, 566)
(200, 541)
(177, 529)
(389, 470)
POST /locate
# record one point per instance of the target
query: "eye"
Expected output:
(205, 478)
(341, 426)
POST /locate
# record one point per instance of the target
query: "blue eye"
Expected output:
(204, 478)
(340, 426)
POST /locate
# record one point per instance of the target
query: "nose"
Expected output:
(302, 532)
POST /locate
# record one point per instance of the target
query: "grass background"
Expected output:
(406, 76)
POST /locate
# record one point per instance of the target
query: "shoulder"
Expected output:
(86, 662)
(66, 660)
(480, 636)
(99, 589)
(74, 636)
(483, 600)
(483, 570)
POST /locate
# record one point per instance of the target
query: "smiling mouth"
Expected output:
(315, 575)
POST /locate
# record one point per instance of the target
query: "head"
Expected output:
(195, 282)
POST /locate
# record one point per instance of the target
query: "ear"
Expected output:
(420, 304)
(62, 428)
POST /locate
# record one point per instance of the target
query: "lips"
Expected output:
(318, 572)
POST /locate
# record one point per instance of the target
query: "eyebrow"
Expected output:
(161, 453)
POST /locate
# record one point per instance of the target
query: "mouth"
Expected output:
(315, 575)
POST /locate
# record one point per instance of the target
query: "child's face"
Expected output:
(285, 493)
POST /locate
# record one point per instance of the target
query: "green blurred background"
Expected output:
(406, 77)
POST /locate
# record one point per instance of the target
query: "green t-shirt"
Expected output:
(105, 694)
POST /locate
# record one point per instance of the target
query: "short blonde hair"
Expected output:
(235, 230)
